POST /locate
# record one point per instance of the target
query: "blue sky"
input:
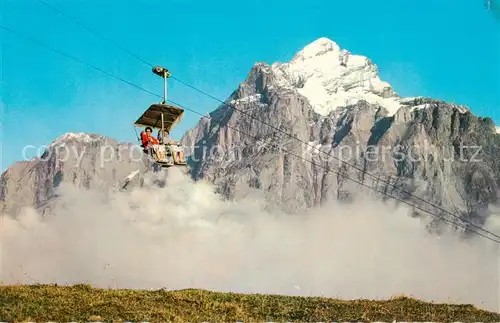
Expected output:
(446, 49)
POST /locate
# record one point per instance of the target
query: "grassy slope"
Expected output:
(83, 303)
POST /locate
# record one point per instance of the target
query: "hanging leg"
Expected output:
(179, 156)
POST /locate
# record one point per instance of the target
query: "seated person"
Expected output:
(177, 154)
(148, 140)
(161, 137)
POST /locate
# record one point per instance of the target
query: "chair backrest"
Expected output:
(139, 139)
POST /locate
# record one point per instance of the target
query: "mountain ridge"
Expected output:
(274, 96)
(315, 100)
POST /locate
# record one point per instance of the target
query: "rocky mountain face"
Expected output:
(86, 160)
(342, 123)
(290, 129)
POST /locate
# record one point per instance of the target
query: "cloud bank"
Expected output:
(184, 236)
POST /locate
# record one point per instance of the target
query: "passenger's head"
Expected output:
(149, 130)
(165, 132)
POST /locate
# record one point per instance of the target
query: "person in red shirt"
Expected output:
(147, 139)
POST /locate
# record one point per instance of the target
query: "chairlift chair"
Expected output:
(162, 116)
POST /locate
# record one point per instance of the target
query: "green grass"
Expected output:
(84, 303)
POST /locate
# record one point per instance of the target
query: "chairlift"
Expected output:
(162, 116)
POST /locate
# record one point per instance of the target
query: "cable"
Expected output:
(336, 158)
(327, 169)
(203, 116)
(94, 32)
(76, 59)
(273, 127)
(242, 132)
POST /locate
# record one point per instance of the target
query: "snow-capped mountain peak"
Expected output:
(331, 77)
(321, 46)
(79, 137)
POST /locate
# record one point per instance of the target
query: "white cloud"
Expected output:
(183, 236)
